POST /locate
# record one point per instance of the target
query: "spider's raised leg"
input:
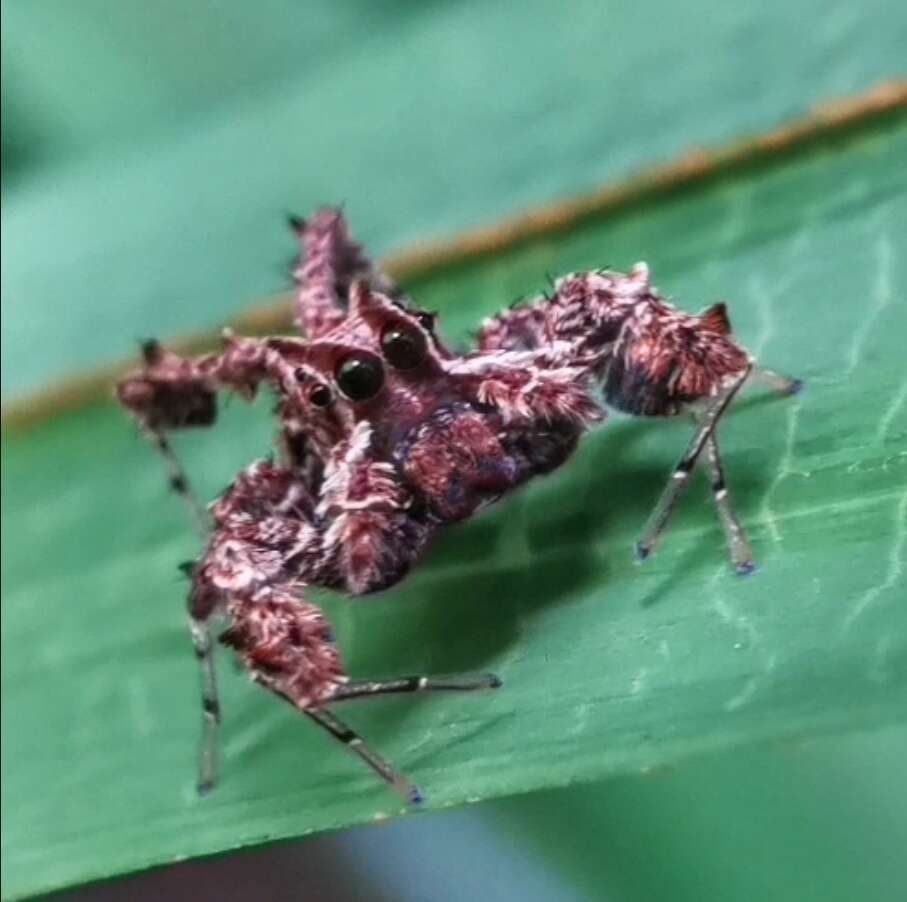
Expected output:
(329, 262)
(178, 480)
(171, 409)
(171, 393)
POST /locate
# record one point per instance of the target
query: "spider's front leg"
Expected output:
(288, 647)
(271, 541)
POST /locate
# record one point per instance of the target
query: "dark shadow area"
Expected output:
(316, 869)
(468, 602)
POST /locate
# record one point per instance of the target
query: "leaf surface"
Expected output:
(609, 667)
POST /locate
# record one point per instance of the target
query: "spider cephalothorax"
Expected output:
(386, 435)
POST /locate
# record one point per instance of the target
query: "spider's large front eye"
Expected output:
(403, 347)
(360, 378)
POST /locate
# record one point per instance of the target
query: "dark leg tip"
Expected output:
(204, 787)
(745, 568)
(796, 386)
(150, 349)
(494, 681)
(187, 568)
(642, 551)
(415, 797)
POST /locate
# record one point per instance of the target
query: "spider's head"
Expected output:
(383, 363)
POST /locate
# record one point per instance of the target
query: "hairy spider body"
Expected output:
(387, 434)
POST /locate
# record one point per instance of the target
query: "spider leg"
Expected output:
(329, 262)
(356, 744)
(738, 544)
(287, 647)
(178, 480)
(407, 684)
(172, 392)
(372, 688)
(680, 477)
(267, 549)
(528, 387)
(208, 745)
(776, 382)
(256, 570)
(180, 403)
(521, 328)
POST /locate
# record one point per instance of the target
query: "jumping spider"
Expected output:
(386, 434)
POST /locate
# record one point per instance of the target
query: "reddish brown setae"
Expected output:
(386, 435)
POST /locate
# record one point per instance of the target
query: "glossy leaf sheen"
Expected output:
(609, 667)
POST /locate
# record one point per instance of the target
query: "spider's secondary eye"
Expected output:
(320, 395)
(403, 348)
(360, 378)
(427, 320)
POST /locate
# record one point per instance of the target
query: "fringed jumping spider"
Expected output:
(386, 434)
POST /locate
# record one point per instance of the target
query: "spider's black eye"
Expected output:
(403, 348)
(360, 378)
(320, 395)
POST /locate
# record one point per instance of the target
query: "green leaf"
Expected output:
(608, 667)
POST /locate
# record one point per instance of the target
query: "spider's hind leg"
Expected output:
(680, 477)
(706, 438)
(776, 382)
(738, 544)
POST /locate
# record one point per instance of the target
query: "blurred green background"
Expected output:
(149, 154)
